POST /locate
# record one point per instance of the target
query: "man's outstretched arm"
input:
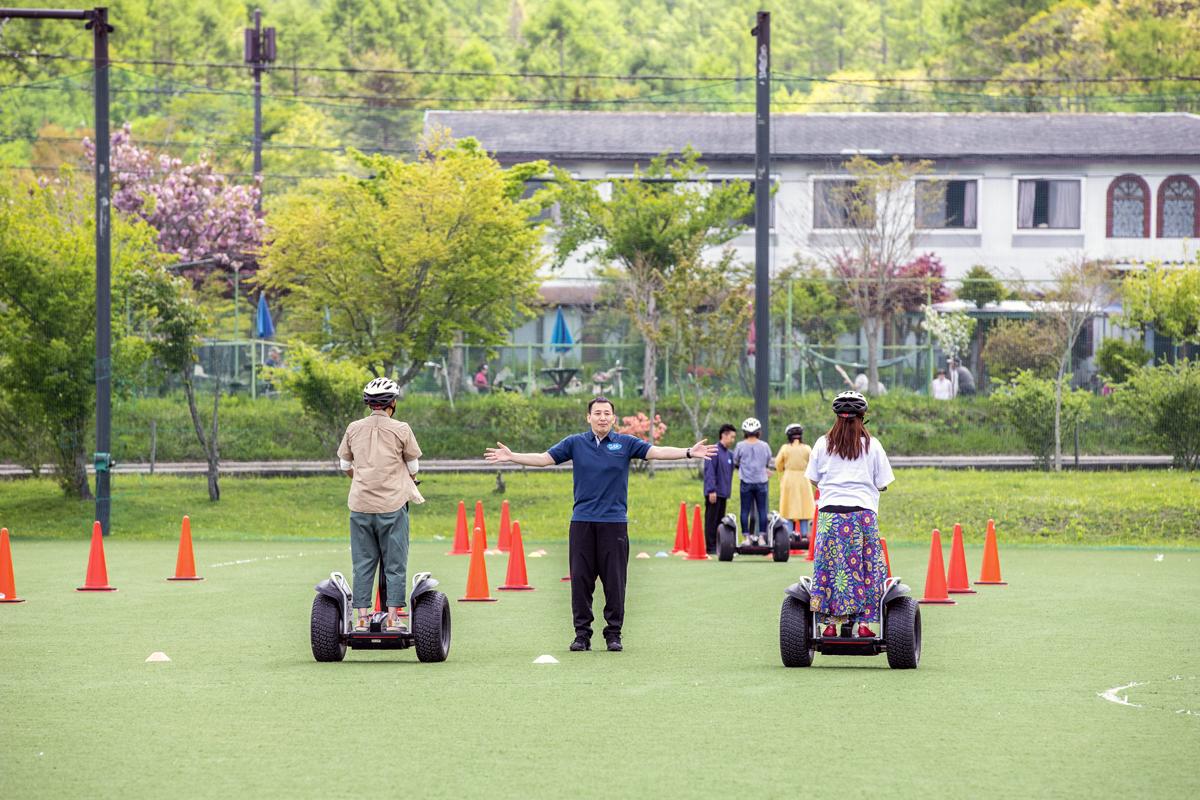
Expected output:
(500, 454)
(698, 450)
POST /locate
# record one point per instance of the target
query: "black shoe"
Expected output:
(614, 645)
(581, 644)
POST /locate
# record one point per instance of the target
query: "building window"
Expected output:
(547, 214)
(841, 204)
(1177, 216)
(1128, 208)
(1048, 203)
(947, 204)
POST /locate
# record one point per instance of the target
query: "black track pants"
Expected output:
(598, 550)
(713, 513)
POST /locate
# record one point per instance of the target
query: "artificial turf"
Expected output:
(1148, 507)
(1005, 703)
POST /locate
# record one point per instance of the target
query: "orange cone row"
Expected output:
(940, 583)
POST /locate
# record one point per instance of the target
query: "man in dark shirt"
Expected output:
(599, 535)
(718, 484)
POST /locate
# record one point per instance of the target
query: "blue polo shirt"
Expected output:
(601, 473)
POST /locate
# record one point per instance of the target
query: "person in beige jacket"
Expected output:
(381, 456)
(795, 491)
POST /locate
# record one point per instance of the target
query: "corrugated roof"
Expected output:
(562, 135)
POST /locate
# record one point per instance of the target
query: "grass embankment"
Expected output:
(1096, 508)
(908, 424)
(1005, 703)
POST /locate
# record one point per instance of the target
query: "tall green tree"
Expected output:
(48, 311)
(398, 264)
(1164, 298)
(644, 229)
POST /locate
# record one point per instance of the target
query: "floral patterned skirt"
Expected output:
(848, 566)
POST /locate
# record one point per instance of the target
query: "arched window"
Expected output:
(1177, 208)
(1128, 208)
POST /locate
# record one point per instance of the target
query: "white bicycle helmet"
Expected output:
(751, 425)
(794, 429)
(380, 392)
(849, 404)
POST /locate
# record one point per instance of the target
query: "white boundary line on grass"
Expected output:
(1122, 700)
(241, 561)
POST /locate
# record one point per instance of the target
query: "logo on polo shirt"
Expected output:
(614, 446)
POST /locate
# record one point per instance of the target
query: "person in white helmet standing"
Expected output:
(381, 456)
(752, 458)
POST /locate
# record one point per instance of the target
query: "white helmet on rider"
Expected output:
(380, 393)
(750, 425)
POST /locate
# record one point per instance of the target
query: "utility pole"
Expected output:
(762, 222)
(96, 20)
(259, 54)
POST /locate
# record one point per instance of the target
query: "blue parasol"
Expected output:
(561, 339)
(263, 326)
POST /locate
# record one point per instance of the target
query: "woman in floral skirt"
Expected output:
(850, 469)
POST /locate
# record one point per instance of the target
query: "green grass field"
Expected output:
(1006, 701)
(1153, 507)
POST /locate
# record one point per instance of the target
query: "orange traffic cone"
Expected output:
(477, 583)
(935, 576)
(886, 559)
(8, 586)
(696, 548)
(479, 524)
(97, 572)
(504, 545)
(185, 563)
(989, 573)
(957, 581)
(812, 538)
(516, 580)
(681, 531)
(462, 542)
(379, 604)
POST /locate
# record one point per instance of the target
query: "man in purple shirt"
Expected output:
(718, 484)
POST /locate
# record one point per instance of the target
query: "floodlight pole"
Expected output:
(762, 222)
(97, 22)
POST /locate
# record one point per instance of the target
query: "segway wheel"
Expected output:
(796, 645)
(327, 644)
(781, 543)
(903, 633)
(431, 627)
(725, 543)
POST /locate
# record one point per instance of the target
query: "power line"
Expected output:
(623, 76)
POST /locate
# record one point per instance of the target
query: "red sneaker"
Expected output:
(830, 631)
(865, 633)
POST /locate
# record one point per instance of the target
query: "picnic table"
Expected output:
(561, 376)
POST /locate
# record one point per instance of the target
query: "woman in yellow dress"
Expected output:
(795, 491)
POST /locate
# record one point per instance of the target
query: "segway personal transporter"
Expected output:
(780, 539)
(899, 634)
(332, 628)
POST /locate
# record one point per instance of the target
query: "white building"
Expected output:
(1022, 191)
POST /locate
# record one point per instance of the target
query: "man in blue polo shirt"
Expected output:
(599, 536)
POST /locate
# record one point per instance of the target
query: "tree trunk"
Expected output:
(210, 453)
(214, 465)
(649, 329)
(871, 329)
(1058, 382)
(79, 477)
(456, 366)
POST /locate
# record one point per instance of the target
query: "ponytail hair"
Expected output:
(848, 437)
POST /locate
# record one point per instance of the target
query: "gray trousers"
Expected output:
(376, 537)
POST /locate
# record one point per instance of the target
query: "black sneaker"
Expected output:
(581, 644)
(614, 645)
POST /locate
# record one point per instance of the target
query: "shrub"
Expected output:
(1117, 359)
(981, 287)
(1168, 399)
(1013, 346)
(330, 392)
(1027, 403)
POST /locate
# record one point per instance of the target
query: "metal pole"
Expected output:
(762, 222)
(787, 344)
(258, 71)
(237, 301)
(103, 456)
